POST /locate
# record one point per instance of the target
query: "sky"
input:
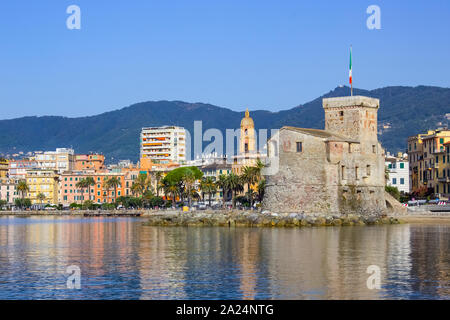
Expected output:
(270, 55)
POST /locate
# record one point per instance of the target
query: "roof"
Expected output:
(350, 101)
(327, 135)
(216, 166)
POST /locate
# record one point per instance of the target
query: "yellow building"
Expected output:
(3, 168)
(42, 181)
(428, 160)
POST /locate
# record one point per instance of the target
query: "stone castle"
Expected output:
(333, 171)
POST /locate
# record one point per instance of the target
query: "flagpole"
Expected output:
(351, 70)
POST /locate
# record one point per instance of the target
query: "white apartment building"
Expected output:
(63, 159)
(398, 168)
(163, 144)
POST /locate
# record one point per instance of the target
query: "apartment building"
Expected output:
(416, 163)
(69, 193)
(398, 168)
(163, 144)
(43, 181)
(17, 169)
(62, 159)
(426, 159)
(8, 190)
(214, 170)
(89, 162)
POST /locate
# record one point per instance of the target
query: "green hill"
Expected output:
(404, 111)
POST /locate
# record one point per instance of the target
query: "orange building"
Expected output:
(89, 162)
(69, 193)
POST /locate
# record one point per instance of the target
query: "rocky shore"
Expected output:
(257, 219)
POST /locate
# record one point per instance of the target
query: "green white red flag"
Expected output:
(350, 68)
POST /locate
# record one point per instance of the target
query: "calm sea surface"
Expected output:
(121, 259)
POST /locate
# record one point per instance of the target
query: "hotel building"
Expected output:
(163, 144)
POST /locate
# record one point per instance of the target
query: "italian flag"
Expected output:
(350, 68)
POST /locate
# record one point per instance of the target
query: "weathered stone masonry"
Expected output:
(332, 171)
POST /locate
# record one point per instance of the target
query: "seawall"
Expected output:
(234, 218)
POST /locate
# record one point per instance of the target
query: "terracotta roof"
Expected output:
(329, 136)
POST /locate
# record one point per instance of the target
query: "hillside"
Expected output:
(404, 111)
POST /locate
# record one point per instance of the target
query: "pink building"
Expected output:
(8, 190)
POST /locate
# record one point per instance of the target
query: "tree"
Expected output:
(207, 185)
(261, 188)
(393, 191)
(171, 188)
(234, 184)
(23, 188)
(113, 183)
(81, 184)
(222, 183)
(250, 176)
(90, 182)
(183, 178)
(136, 189)
(158, 176)
(2, 203)
(189, 185)
(141, 184)
(41, 197)
(22, 203)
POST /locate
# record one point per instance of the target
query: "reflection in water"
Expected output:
(121, 259)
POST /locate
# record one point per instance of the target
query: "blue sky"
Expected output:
(258, 54)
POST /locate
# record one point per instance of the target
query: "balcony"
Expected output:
(444, 179)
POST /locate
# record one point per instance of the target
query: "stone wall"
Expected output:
(338, 171)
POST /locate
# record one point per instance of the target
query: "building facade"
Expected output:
(42, 181)
(3, 168)
(62, 159)
(333, 171)
(69, 193)
(8, 190)
(427, 160)
(89, 162)
(17, 169)
(398, 169)
(163, 144)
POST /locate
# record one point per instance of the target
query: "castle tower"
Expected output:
(247, 138)
(354, 117)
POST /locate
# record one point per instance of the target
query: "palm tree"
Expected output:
(261, 190)
(136, 189)
(222, 183)
(41, 197)
(171, 188)
(208, 186)
(250, 176)
(89, 183)
(139, 185)
(23, 188)
(113, 183)
(189, 184)
(234, 184)
(81, 184)
(158, 176)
